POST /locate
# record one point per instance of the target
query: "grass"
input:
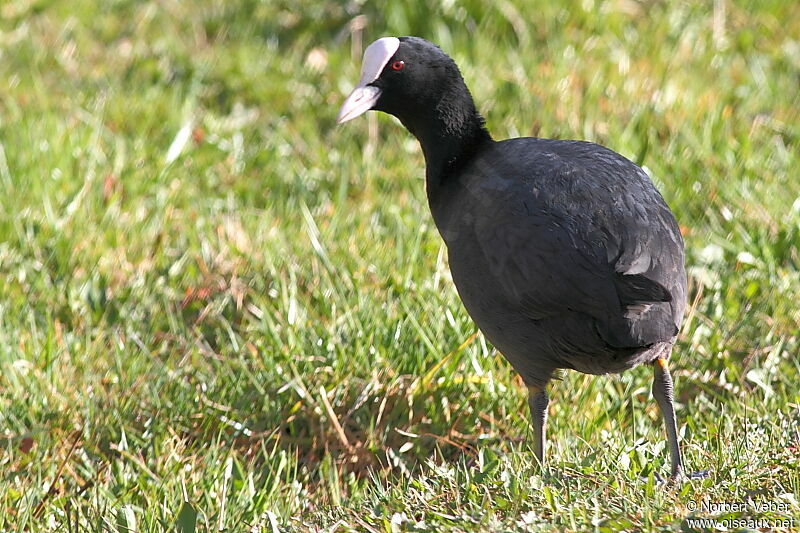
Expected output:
(220, 311)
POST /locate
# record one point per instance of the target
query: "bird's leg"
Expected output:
(662, 391)
(538, 401)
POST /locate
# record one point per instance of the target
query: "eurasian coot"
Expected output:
(563, 252)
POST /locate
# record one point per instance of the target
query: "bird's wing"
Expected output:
(553, 250)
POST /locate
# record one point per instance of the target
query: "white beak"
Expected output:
(361, 100)
(365, 96)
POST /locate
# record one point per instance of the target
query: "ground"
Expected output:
(219, 310)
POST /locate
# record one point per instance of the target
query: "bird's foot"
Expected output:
(677, 478)
(700, 474)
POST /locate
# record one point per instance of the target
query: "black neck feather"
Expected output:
(450, 136)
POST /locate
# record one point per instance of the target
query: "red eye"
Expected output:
(398, 65)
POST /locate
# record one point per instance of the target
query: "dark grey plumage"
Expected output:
(565, 255)
(563, 252)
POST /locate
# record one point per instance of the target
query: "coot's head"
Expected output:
(407, 77)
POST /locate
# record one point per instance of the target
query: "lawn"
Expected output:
(220, 311)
